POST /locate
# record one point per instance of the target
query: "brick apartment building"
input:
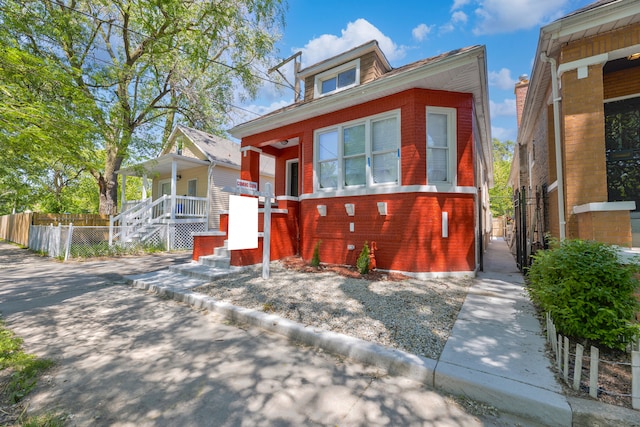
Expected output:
(576, 167)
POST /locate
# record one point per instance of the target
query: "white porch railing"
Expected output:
(139, 220)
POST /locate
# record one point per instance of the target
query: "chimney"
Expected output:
(521, 94)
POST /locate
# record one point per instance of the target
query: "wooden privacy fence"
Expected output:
(15, 227)
(565, 361)
(78, 220)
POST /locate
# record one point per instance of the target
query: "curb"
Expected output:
(513, 397)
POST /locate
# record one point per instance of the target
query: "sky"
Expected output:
(410, 30)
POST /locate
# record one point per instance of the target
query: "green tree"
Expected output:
(500, 195)
(136, 67)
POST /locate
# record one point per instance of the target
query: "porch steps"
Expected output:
(189, 275)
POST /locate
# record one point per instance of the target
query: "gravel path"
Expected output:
(411, 315)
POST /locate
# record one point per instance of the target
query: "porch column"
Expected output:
(174, 173)
(123, 193)
(144, 186)
(250, 164)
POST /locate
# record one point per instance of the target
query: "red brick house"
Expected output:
(400, 157)
(578, 151)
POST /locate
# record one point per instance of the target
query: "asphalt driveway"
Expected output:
(126, 357)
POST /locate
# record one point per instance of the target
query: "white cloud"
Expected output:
(502, 79)
(446, 28)
(503, 16)
(421, 32)
(505, 108)
(459, 17)
(356, 34)
(458, 4)
(503, 134)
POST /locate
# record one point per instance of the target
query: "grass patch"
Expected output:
(22, 372)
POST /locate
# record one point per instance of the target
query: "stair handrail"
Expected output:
(132, 218)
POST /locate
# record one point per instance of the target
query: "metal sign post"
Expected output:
(249, 189)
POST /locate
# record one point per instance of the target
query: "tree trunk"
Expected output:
(108, 195)
(108, 185)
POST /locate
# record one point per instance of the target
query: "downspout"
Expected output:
(557, 136)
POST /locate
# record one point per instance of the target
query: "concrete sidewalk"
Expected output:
(495, 354)
(496, 351)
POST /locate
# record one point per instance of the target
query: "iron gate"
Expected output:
(529, 220)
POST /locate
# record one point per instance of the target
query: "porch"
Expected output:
(162, 217)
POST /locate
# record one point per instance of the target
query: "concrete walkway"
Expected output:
(496, 351)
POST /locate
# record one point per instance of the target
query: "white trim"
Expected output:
(196, 192)
(360, 51)
(622, 98)
(452, 142)
(552, 187)
(246, 148)
(583, 62)
(604, 207)
(368, 154)
(424, 275)
(334, 73)
(290, 198)
(288, 176)
(433, 189)
(163, 181)
(599, 59)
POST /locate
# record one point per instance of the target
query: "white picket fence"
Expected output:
(562, 350)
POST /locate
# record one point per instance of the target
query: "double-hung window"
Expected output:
(441, 145)
(358, 154)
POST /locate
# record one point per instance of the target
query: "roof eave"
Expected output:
(368, 92)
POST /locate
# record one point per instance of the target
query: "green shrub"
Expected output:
(363, 260)
(588, 292)
(315, 260)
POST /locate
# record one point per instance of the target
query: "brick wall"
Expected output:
(584, 160)
(583, 152)
(608, 227)
(409, 237)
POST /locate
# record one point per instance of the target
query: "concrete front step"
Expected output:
(215, 261)
(202, 271)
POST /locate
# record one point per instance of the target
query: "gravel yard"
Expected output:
(396, 311)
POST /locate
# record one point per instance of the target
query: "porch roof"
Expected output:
(162, 165)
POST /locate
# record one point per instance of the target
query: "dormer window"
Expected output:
(337, 79)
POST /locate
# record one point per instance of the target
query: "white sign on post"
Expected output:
(243, 222)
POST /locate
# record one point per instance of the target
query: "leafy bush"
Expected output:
(363, 260)
(315, 260)
(588, 292)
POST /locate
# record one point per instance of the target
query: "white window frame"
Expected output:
(161, 183)
(452, 138)
(188, 183)
(333, 73)
(369, 183)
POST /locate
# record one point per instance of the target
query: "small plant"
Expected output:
(363, 260)
(315, 259)
(268, 307)
(588, 291)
